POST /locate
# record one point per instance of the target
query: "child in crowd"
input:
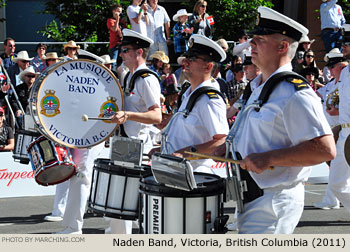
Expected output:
(181, 31)
(169, 78)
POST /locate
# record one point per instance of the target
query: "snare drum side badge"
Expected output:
(50, 104)
(108, 108)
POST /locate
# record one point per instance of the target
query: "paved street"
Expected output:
(25, 216)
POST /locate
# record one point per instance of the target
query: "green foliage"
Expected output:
(232, 16)
(2, 4)
(80, 20)
(345, 4)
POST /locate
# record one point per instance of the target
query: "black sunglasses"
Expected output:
(310, 56)
(203, 6)
(125, 50)
(1, 114)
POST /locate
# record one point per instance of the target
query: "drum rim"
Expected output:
(215, 188)
(112, 215)
(40, 125)
(54, 183)
(104, 165)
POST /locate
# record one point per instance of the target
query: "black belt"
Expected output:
(331, 29)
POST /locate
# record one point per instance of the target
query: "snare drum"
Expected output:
(65, 92)
(51, 162)
(173, 211)
(114, 190)
(22, 140)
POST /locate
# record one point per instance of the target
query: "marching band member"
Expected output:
(335, 62)
(288, 132)
(205, 127)
(339, 173)
(142, 101)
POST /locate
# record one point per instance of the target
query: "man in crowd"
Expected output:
(27, 78)
(115, 26)
(9, 52)
(21, 63)
(332, 19)
(280, 148)
(159, 21)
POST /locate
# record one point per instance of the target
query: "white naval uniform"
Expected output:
(79, 186)
(288, 118)
(339, 174)
(207, 119)
(145, 94)
(329, 197)
(62, 189)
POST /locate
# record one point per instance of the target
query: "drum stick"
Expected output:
(222, 159)
(205, 156)
(86, 117)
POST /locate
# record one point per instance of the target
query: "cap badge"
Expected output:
(190, 43)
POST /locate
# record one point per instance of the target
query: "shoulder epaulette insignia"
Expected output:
(212, 95)
(298, 83)
(144, 75)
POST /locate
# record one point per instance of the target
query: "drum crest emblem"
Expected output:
(108, 108)
(50, 104)
(35, 158)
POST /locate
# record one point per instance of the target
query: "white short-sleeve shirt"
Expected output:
(132, 12)
(207, 119)
(288, 118)
(158, 18)
(146, 93)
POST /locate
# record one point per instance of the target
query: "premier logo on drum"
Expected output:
(50, 104)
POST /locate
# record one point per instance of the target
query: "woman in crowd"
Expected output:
(39, 60)
(311, 74)
(199, 20)
(308, 61)
(70, 50)
(51, 58)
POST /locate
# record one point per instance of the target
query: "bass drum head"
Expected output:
(67, 91)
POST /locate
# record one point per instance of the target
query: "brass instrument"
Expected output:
(333, 99)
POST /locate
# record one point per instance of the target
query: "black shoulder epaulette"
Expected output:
(299, 83)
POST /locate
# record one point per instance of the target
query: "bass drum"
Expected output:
(67, 91)
(172, 211)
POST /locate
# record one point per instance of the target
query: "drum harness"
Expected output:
(143, 73)
(240, 185)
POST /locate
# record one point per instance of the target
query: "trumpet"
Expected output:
(333, 99)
